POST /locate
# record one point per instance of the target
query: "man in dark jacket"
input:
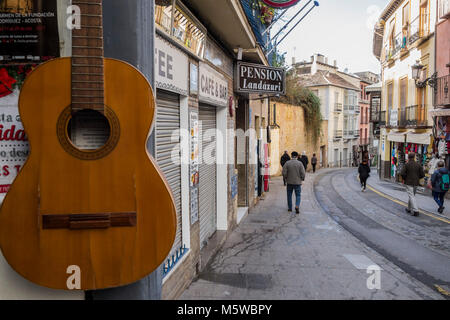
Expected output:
(284, 158)
(411, 173)
(304, 159)
(440, 185)
(294, 173)
(364, 173)
(314, 162)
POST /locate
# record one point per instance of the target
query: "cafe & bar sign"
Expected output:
(255, 78)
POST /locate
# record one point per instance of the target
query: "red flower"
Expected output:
(6, 83)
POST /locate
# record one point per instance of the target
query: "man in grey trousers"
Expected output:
(294, 173)
(411, 173)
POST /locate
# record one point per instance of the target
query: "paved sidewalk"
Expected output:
(274, 254)
(397, 191)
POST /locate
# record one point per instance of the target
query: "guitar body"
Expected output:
(55, 183)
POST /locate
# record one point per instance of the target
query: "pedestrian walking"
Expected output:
(284, 158)
(294, 173)
(411, 173)
(364, 174)
(440, 182)
(304, 159)
(314, 162)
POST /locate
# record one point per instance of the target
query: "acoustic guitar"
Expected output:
(89, 198)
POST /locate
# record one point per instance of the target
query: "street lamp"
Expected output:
(416, 72)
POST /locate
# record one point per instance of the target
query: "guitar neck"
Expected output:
(87, 58)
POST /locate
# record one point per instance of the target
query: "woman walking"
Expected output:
(364, 173)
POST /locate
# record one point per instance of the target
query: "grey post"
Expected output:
(129, 36)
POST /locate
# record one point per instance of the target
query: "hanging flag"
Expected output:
(280, 3)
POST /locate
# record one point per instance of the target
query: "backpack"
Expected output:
(445, 182)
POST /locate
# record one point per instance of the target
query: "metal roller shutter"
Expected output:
(167, 121)
(207, 175)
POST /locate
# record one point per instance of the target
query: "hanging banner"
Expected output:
(28, 31)
(280, 3)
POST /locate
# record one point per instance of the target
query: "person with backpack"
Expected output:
(440, 183)
(284, 158)
(411, 173)
(364, 173)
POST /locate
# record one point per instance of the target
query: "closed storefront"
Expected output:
(213, 98)
(207, 174)
(171, 79)
(168, 148)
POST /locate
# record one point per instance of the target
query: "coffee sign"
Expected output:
(255, 78)
(213, 86)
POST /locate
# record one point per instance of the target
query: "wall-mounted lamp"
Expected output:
(416, 75)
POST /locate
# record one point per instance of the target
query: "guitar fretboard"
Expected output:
(87, 58)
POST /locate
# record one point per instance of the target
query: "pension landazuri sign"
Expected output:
(255, 78)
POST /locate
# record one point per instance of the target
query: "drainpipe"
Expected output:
(129, 33)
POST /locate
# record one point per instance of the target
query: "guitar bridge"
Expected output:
(88, 221)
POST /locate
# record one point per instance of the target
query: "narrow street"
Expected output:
(324, 252)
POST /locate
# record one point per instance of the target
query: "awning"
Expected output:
(439, 112)
(419, 138)
(397, 136)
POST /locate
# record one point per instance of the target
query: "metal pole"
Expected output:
(276, 45)
(295, 25)
(285, 26)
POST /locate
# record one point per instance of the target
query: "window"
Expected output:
(403, 92)
(392, 34)
(181, 26)
(424, 18)
(390, 95)
(405, 15)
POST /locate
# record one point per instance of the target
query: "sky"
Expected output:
(341, 30)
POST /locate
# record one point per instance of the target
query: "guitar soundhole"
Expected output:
(88, 134)
(88, 130)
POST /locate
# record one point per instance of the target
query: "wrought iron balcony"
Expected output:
(349, 134)
(338, 107)
(337, 134)
(357, 109)
(364, 141)
(444, 9)
(412, 117)
(351, 109)
(442, 96)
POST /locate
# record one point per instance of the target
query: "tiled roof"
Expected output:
(325, 78)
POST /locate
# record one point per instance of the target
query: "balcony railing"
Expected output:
(338, 107)
(351, 109)
(349, 134)
(337, 134)
(442, 97)
(444, 9)
(364, 141)
(416, 116)
(407, 117)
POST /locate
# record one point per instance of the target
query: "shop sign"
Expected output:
(280, 3)
(172, 66)
(28, 31)
(255, 78)
(213, 86)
